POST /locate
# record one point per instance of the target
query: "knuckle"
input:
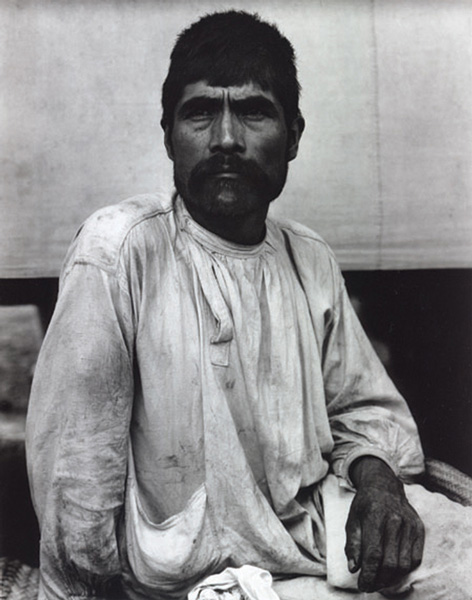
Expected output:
(395, 521)
(378, 511)
(373, 557)
(389, 566)
(397, 517)
(404, 564)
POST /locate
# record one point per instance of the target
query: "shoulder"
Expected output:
(101, 237)
(302, 237)
(313, 260)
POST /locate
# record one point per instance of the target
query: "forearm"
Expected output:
(368, 416)
(62, 578)
(370, 471)
(77, 439)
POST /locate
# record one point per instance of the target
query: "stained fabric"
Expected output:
(239, 371)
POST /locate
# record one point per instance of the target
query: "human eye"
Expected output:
(199, 110)
(255, 110)
(254, 114)
(199, 114)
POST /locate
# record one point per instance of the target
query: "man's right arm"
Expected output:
(77, 434)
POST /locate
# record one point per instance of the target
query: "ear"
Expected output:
(294, 135)
(168, 141)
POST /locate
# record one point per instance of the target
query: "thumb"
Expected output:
(353, 543)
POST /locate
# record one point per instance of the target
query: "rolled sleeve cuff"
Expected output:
(344, 465)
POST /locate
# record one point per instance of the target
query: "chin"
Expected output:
(228, 199)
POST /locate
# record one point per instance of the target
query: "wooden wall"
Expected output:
(384, 170)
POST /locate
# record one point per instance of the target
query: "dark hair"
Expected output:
(232, 48)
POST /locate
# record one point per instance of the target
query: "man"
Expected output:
(204, 370)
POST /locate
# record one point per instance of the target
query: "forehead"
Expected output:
(232, 92)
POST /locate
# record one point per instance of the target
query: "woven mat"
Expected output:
(441, 477)
(18, 581)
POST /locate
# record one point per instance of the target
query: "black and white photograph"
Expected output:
(235, 300)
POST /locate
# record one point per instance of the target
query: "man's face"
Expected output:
(230, 147)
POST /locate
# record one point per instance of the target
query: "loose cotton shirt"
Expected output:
(195, 391)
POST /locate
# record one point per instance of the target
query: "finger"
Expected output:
(405, 555)
(369, 569)
(394, 542)
(353, 543)
(372, 555)
(418, 547)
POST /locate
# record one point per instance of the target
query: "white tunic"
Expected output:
(241, 376)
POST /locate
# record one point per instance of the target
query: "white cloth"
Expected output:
(242, 369)
(254, 583)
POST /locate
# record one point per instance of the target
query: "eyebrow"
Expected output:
(255, 102)
(198, 102)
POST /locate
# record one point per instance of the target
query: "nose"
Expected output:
(227, 134)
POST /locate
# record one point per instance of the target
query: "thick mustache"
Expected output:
(220, 163)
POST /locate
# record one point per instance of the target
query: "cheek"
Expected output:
(273, 152)
(187, 145)
(187, 154)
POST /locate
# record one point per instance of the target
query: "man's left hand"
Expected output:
(385, 535)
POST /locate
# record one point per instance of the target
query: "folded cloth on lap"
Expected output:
(243, 583)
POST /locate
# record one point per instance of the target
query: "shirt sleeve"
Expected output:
(77, 435)
(367, 414)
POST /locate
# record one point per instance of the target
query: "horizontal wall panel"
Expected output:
(384, 169)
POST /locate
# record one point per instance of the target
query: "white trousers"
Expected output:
(444, 574)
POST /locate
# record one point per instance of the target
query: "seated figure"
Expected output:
(206, 402)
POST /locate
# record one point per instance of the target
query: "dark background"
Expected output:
(424, 318)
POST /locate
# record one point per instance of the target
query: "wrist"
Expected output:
(371, 471)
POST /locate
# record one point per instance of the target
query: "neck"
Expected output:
(248, 229)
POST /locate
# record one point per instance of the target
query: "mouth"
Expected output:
(226, 175)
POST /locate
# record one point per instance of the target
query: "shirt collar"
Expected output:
(215, 243)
